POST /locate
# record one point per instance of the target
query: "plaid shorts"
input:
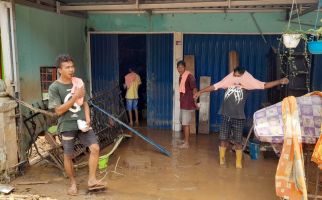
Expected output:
(86, 139)
(230, 126)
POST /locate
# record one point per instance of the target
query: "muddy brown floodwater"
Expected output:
(145, 174)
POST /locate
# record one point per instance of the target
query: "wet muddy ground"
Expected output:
(145, 174)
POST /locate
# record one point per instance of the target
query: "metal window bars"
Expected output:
(105, 127)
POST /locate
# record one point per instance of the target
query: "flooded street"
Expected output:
(145, 174)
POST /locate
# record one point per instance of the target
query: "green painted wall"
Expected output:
(41, 36)
(273, 22)
(1, 60)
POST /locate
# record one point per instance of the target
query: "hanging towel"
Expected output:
(77, 83)
(182, 86)
(290, 174)
(133, 88)
(317, 153)
(246, 81)
(129, 79)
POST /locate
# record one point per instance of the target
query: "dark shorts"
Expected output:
(68, 140)
(132, 104)
(230, 126)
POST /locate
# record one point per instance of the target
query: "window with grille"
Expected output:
(47, 76)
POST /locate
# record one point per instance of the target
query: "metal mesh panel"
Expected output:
(106, 128)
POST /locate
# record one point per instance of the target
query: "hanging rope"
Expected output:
(298, 17)
(291, 14)
(317, 14)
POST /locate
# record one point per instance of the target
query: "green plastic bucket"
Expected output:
(102, 162)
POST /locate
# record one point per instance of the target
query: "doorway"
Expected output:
(151, 55)
(132, 55)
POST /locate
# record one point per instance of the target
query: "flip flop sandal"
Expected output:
(97, 186)
(72, 191)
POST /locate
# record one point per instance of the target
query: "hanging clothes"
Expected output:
(129, 79)
(182, 87)
(246, 81)
(317, 153)
(77, 83)
(290, 174)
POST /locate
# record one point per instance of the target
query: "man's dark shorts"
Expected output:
(230, 126)
(68, 140)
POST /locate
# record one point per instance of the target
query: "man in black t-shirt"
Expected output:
(236, 84)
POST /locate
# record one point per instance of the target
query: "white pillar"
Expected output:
(7, 31)
(8, 129)
(5, 41)
(177, 55)
(8, 134)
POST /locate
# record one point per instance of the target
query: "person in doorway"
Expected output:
(236, 84)
(67, 98)
(132, 83)
(187, 88)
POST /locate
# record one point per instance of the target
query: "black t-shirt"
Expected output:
(234, 103)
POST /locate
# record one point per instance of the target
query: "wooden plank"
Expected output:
(190, 63)
(190, 66)
(314, 196)
(183, 5)
(233, 60)
(32, 182)
(203, 126)
(37, 159)
(99, 7)
(51, 140)
(302, 12)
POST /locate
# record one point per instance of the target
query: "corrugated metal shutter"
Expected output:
(104, 61)
(159, 80)
(317, 73)
(211, 59)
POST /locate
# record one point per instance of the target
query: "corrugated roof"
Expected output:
(304, 6)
